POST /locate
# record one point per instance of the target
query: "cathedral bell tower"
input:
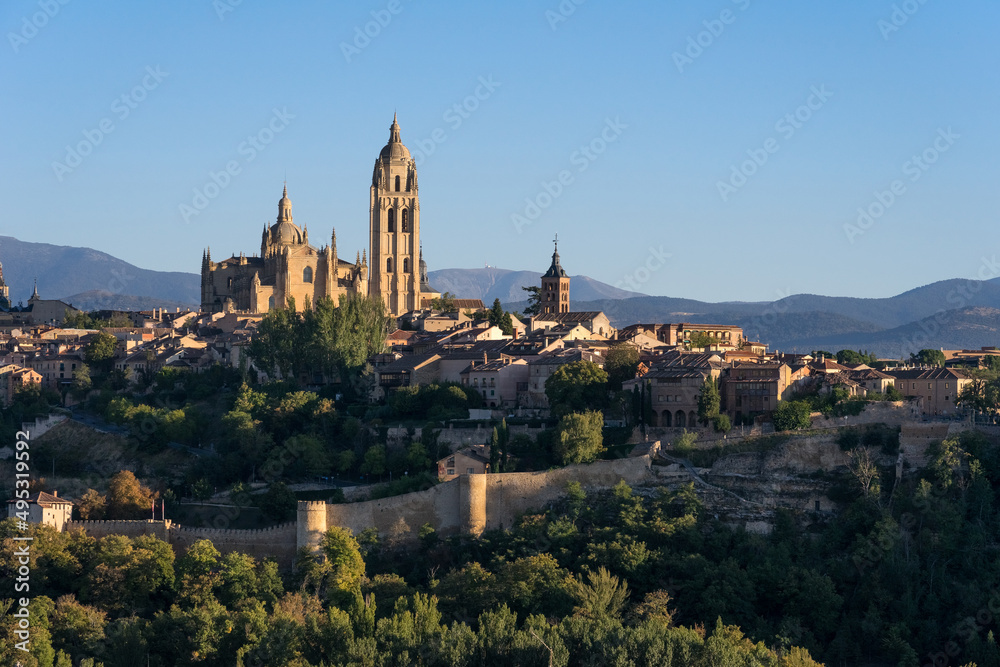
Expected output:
(394, 228)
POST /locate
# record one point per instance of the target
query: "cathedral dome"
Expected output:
(286, 232)
(394, 150)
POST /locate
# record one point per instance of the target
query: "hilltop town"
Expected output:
(311, 394)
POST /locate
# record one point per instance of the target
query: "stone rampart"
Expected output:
(278, 542)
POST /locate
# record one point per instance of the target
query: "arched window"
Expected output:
(406, 222)
(388, 265)
(406, 264)
(270, 303)
(307, 274)
(392, 220)
(397, 184)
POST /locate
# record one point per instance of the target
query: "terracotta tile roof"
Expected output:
(44, 499)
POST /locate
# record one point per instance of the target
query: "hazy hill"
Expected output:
(66, 271)
(492, 283)
(963, 328)
(104, 300)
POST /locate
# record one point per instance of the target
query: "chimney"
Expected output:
(485, 358)
(55, 493)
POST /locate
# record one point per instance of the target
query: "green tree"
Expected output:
(77, 628)
(81, 380)
(708, 400)
(278, 503)
(853, 358)
(721, 423)
(576, 387)
(360, 328)
(699, 339)
(444, 303)
(100, 351)
(928, 357)
(343, 557)
(274, 346)
(601, 598)
(374, 461)
(893, 394)
(581, 438)
(792, 415)
(534, 306)
(621, 364)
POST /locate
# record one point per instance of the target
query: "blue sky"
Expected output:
(667, 123)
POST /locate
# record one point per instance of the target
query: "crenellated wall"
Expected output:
(468, 504)
(278, 542)
(473, 503)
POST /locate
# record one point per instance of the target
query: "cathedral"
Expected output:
(289, 267)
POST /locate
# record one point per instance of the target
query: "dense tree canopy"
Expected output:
(581, 437)
(621, 364)
(792, 415)
(327, 338)
(576, 387)
(928, 357)
(709, 400)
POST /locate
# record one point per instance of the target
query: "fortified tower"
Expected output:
(310, 524)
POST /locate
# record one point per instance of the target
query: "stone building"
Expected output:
(938, 387)
(469, 461)
(290, 267)
(674, 384)
(4, 291)
(397, 269)
(45, 508)
(555, 287)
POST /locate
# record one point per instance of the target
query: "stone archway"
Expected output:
(680, 419)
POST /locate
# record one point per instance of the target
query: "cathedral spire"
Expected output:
(394, 130)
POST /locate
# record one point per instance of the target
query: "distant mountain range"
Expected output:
(492, 283)
(90, 279)
(950, 313)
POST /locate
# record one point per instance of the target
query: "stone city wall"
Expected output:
(278, 542)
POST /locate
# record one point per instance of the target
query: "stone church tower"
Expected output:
(4, 291)
(394, 228)
(555, 286)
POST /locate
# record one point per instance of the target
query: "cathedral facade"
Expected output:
(289, 267)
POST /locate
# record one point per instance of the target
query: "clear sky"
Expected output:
(713, 150)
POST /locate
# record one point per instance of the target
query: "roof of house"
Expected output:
(673, 372)
(868, 374)
(566, 356)
(44, 499)
(579, 316)
(928, 374)
(479, 453)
